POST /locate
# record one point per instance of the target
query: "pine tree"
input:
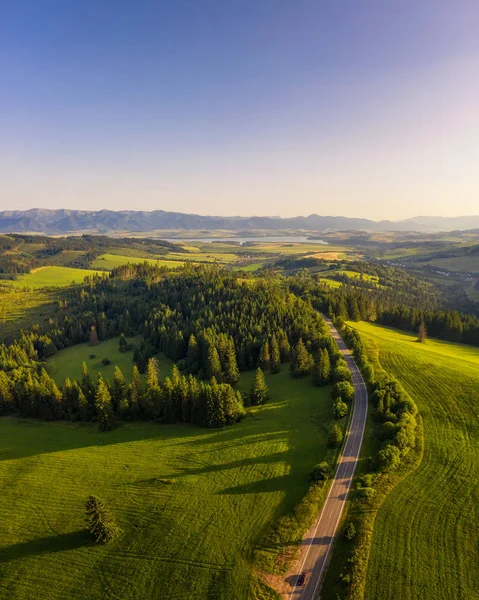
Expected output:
(88, 388)
(101, 523)
(264, 356)
(193, 355)
(302, 362)
(231, 371)
(275, 356)
(152, 396)
(322, 368)
(259, 390)
(103, 407)
(119, 389)
(213, 365)
(122, 344)
(422, 333)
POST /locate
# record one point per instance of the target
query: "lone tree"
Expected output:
(101, 523)
(259, 390)
(93, 336)
(422, 333)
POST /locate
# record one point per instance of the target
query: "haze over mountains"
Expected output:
(64, 221)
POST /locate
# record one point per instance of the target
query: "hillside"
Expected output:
(424, 543)
(62, 221)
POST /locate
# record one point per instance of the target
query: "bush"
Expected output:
(350, 531)
(335, 438)
(320, 472)
(343, 390)
(366, 493)
(105, 361)
(342, 374)
(92, 356)
(340, 409)
(389, 458)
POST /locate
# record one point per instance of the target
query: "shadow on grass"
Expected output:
(47, 545)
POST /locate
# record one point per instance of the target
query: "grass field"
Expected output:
(20, 309)
(192, 503)
(68, 362)
(425, 540)
(51, 277)
(462, 264)
(110, 261)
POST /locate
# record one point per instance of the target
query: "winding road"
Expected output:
(318, 540)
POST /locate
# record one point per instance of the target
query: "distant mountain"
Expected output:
(64, 221)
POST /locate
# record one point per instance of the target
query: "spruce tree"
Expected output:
(231, 371)
(264, 356)
(275, 356)
(322, 368)
(213, 365)
(101, 523)
(302, 362)
(193, 355)
(119, 389)
(259, 393)
(103, 407)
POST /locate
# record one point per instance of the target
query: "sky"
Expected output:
(241, 107)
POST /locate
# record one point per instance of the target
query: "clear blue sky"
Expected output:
(361, 108)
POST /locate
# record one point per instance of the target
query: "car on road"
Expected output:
(302, 578)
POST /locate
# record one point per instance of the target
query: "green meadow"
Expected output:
(68, 362)
(51, 277)
(110, 261)
(192, 503)
(425, 539)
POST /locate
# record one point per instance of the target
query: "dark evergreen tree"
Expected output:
(259, 389)
(103, 407)
(302, 361)
(275, 355)
(101, 523)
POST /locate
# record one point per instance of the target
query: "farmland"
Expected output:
(192, 503)
(110, 261)
(424, 544)
(51, 277)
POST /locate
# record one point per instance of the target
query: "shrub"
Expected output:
(105, 361)
(342, 374)
(92, 356)
(366, 493)
(340, 409)
(350, 531)
(389, 458)
(335, 438)
(343, 390)
(320, 472)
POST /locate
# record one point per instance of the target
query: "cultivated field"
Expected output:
(51, 277)
(192, 503)
(110, 261)
(425, 537)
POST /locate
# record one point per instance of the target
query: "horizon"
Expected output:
(220, 109)
(248, 216)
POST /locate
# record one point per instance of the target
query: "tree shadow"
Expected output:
(47, 545)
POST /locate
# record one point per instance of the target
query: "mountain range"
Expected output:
(65, 221)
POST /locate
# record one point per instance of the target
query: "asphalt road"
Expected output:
(319, 539)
